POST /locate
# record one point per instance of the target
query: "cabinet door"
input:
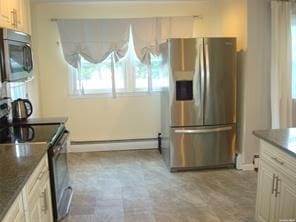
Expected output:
(34, 203)
(286, 199)
(18, 7)
(5, 13)
(35, 212)
(46, 209)
(265, 205)
(16, 212)
(20, 14)
(26, 17)
(20, 217)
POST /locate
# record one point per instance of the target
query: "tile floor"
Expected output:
(136, 186)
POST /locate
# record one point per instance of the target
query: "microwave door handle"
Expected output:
(25, 65)
(30, 59)
(27, 58)
(7, 63)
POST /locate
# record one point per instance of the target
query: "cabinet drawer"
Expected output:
(15, 211)
(278, 158)
(37, 175)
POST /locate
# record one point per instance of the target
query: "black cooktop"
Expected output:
(30, 133)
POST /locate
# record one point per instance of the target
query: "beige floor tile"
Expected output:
(110, 214)
(124, 186)
(139, 217)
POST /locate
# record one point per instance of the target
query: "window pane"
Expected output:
(141, 76)
(120, 77)
(159, 78)
(17, 90)
(130, 75)
(294, 61)
(96, 77)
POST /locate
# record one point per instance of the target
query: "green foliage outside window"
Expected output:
(87, 68)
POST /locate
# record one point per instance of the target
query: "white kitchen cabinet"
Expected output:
(265, 201)
(287, 199)
(15, 14)
(34, 202)
(16, 213)
(27, 28)
(39, 204)
(17, 7)
(34, 209)
(46, 207)
(38, 195)
(5, 13)
(276, 190)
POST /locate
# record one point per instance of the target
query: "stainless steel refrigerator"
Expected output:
(199, 106)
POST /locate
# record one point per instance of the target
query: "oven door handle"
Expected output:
(56, 152)
(60, 145)
(63, 139)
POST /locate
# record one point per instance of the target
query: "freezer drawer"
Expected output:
(202, 147)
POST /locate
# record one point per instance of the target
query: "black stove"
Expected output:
(31, 133)
(56, 137)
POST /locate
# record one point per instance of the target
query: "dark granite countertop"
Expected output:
(284, 139)
(41, 121)
(17, 163)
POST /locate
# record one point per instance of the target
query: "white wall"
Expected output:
(254, 96)
(124, 117)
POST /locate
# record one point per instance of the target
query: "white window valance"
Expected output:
(96, 39)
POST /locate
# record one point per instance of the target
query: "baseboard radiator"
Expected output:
(111, 145)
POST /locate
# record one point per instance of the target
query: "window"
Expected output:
(130, 75)
(294, 61)
(17, 90)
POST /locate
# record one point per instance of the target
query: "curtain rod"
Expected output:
(194, 16)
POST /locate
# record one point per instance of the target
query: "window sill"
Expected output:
(118, 95)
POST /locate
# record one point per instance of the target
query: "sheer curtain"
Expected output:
(97, 39)
(294, 62)
(281, 64)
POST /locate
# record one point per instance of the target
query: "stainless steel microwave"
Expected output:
(15, 55)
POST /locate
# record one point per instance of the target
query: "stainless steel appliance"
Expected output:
(56, 137)
(21, 109)
(199, 106)
(16, 55)
(24, 133)
(4, 112)
(60, 183)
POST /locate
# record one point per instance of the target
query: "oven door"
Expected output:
(18, 60)
(62, 190)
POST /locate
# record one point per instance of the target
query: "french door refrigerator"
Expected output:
(199, 106)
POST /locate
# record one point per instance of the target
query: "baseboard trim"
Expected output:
(245, 167)
(113, 146)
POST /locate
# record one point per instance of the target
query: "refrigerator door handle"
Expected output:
(211, 130)
(202, 76)
(207, 70)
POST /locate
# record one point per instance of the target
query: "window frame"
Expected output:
(293, 59)
(130, 62)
